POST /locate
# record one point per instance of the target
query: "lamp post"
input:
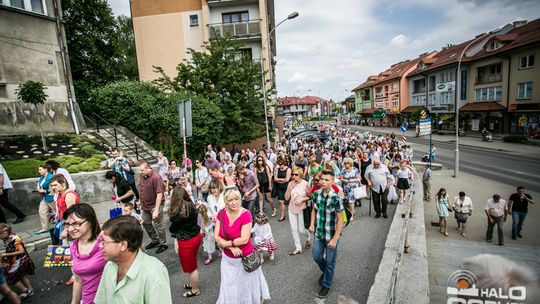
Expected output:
(458, 98)
(263, 87)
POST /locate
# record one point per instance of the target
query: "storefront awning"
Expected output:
(524, 107)
(482, 107)
(412, 109)
(367, 111)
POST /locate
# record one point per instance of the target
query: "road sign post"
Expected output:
(185, 121)
(425, 129)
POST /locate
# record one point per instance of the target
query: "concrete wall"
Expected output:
(29, 50)
(518, 75)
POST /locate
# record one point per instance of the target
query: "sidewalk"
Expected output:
(445, 254)
(472, 140)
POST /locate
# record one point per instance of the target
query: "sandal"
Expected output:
(187, 286)
(282, 219)
(307, 245)
(26, 294)
(190, 293)
(295, 252)
(274, 213)
(208, 261)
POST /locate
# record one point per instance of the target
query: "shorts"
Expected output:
(462, 217)
(187, 253)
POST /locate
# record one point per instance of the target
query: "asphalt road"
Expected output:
(502, 166)
(291, 279)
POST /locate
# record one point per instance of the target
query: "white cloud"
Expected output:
(297, 77)
(399, 40)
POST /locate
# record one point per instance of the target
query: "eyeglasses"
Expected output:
(295, 174)
(103, 242)
(74, 224)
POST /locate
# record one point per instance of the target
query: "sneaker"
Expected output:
(19, 219)
(152, 244)
(488, 240)
(271, 258)
(384, 215)
(377, 215)
(208, 261)
(41, 231)
(519, 235)
(513, 237)
(323, 293)
(161, 249)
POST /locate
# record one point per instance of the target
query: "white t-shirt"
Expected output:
(464, 206)
(7, 182)
(404, 173)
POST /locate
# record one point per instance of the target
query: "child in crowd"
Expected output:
(129, 209)
(207, 230)
(263, 239)
(16, 262)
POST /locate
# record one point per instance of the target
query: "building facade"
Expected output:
(307, 106)
(33, 47)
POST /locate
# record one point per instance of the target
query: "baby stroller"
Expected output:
(487, 136)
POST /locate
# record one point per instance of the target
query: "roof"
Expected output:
(482, 107)
(412, 109)
(307, 100)
(367, 111)
(397, 70)
(511, 36)
(369, 82)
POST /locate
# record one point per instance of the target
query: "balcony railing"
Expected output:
(489, 78)
(245, 29)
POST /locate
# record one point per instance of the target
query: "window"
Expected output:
(395, 87)
(490, 73)
(447, 97)
(193, 20)
(17, 3)
(419, 86)
(37, 6)
(526, 62)
(463, 84)
(419, 100)
(394, 103)
(421, 66)
(235, 17)
(524, 90)
(431, 99)
(244, 53)
(431, 83)
(447, 76)
(493, 45)
(488, 94)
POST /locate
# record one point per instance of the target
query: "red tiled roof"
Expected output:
(369, 82)
(307, 100)
(367, 111)
(482, 107)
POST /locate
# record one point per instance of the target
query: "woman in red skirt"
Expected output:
(184, 228)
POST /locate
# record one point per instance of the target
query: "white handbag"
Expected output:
(359, 192)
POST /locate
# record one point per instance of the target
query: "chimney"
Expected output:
(519, 23)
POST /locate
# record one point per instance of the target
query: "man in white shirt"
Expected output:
(5, 186)
(463, 207)
(496, 211)
(377, 176)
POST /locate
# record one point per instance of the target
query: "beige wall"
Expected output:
(525, 75)
(162, 40)
(473, 74)
(140, 8)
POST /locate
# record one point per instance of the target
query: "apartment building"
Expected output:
(33, 47)
(165, 29)
(307, 106)
(363, 95)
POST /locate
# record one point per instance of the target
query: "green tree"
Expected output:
(228, 80)
(33, 93)
(101, 47)
(153, 115)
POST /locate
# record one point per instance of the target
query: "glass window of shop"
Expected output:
(525, 123)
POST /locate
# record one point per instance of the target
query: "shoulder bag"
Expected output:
(250, 262)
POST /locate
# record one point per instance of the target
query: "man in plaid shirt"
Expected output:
(327, 212)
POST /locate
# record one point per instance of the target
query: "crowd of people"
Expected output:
(223, 202)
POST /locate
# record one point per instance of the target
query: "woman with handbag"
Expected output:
(202, 180)
(242, 278)
(298, 193)
(187, 232)
(46, 205)
(264, 176)
(350, 178)
(443, 207)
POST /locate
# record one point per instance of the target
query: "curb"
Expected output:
(404, 262)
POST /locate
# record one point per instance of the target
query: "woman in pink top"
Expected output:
(88, 260)
(232, 232)
(298, 193)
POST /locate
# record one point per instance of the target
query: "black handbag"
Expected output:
(274, 190)
(307, 215)
(250, 262)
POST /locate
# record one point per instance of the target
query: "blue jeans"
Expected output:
(517, 222)
(326, 264)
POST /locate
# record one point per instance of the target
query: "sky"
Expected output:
(333, 46)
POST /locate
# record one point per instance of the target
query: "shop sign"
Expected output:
(442, 108)
(475, 125)
(445, 87)
(522, 121)
(425, 126)
(395, 110)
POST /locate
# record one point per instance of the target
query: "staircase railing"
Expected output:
(107, 127)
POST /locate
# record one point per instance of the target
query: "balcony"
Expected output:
(489, 78)
(240, 30)
(220, 3)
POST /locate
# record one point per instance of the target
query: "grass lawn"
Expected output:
(23, 168)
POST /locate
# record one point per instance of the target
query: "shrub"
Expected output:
(515, 139)
(88, 150)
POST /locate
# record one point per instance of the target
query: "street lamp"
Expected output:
(458, 97)
(290, 16)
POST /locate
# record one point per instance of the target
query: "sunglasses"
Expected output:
(295, 174)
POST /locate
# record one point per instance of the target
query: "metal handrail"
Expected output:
(115, 135)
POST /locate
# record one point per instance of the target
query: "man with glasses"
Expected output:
(327, 213)
(130, 276)
(379, 180)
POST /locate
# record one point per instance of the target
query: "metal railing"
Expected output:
(107, 127)
(244, 29)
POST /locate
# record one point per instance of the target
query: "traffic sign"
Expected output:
(403, 128)
(379, 114)
(425, 126)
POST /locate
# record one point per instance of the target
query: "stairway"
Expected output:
(129, 144)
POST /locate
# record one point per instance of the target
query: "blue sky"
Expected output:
(335, 45)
